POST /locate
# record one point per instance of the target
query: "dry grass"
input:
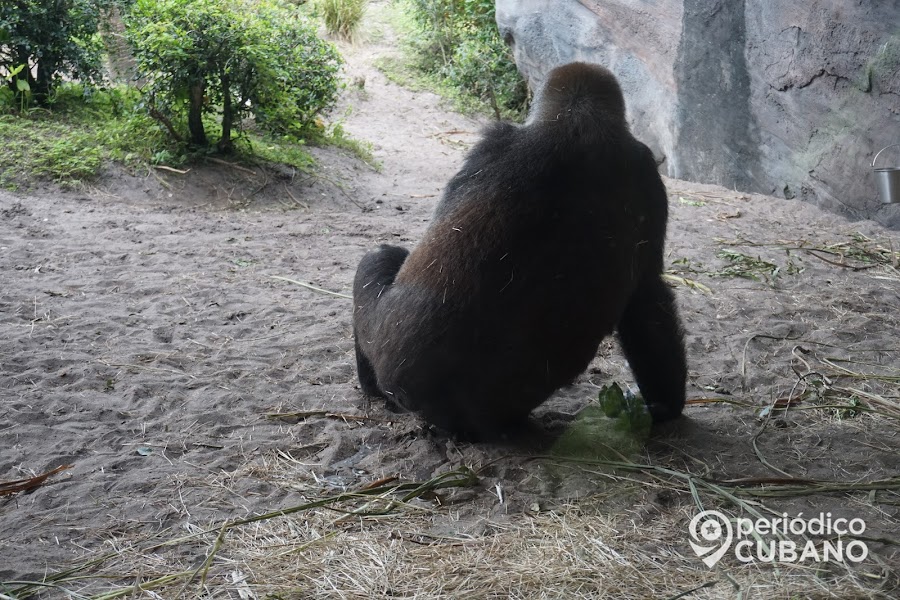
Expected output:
(415, 540)
(342, 17)
(568, 553)
(564, 554)
(424, 540)
(858, 253)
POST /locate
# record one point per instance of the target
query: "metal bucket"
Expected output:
(887, 179)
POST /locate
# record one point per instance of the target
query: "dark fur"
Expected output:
(549, 238)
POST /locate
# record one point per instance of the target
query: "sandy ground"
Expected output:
(145, 342)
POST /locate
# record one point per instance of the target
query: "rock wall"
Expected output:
(779, 97)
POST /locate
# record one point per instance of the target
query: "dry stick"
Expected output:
(759, 453)
(849, 407)
(49, 580)
(288, 190)
(823, 487)
(339, 188)
(265, 184)
(715, 400)
(790, 397)
(149, 585)
(368, 510)
(30, 587)
(143, 368)
(8, 488)
(207, 562)
(162, 181)
(380, 482)
(173, 170)
(709, 197)
(27, 585)
(305, 414)
(757, 481)
(747, 346)
(687, 593)
(873, 398)
(461, 477)
(451, 132)
(312, 287)
(232, 165)
(812, 252)
(830, 360)
(689, 283)
(792, 486)
(845, 372)
(877, 540)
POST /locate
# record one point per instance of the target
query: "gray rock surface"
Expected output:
(786, 98)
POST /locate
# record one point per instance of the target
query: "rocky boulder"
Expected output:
(786, 98)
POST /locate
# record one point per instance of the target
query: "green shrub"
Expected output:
(46, 40)
(233, 57)
(458, 40)
(342, 17)
(482, 65)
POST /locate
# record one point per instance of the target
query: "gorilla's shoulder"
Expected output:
(496, 138)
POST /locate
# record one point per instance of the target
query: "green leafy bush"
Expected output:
(342, 17)
(233, 57)
(43, 41)
(458, 41)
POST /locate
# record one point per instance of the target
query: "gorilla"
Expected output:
(549, 239)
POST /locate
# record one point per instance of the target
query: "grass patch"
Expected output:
(402, 71)
(289, 151)
(72, 143)
(335, 136)
(465, 79)
(56, 150)
(342, 17)
(399, 70)
(857, 253)
(746, 266)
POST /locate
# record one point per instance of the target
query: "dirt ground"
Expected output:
(145, 341)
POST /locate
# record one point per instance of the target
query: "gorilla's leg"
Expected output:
(653, 342)
(367, 380)
(376, 272)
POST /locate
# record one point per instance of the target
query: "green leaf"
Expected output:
(22, 85)
(628, 409)
(612, 400)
